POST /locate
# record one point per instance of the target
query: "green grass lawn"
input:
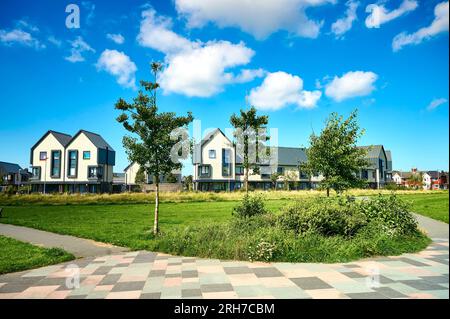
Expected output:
(433, 205)
(16, 256)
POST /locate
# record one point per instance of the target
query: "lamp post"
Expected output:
(45, 170)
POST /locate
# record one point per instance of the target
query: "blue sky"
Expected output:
(295, 60)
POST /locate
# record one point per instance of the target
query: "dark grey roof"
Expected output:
(6, 168)
(373, 151)
(389, 160)
(95, 138)
(290, 156)
(62, 138)
(389, 156)
(287, 156)
(433, 174)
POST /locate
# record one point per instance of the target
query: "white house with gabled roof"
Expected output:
(217, 167)
(62, 163)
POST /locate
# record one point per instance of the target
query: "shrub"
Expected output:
(263, 251)
(392, 212)
(328, 217)
(250, 206)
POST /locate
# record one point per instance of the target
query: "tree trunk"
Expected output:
(155, 224)
(328, 192)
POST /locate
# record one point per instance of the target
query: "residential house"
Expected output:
(217, 167)
(434, 180)
(130, 179)
(379, 170)
(401, 178)
(62, 163)
(12, 174)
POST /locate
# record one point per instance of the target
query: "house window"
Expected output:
(204, 171)
(265, 176)
(212, 154)
(381, 167)
(303, 175)
(374, 174)
(56, 164)
(95, 172)
(36, 172)
(42, 156)
(87, 155)
(73, 163)
(365, 174)
(239, 170)
(226, 162)
(280, 170)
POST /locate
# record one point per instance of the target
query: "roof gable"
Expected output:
(95, 139)
(62, 138)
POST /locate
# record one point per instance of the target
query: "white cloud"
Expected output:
(248, 75)
(18, 36)
(120, 65)
(435, 103)
(380, 15)
(116, 38)
(260, 18)
(90, 8)
(344, 24)
(351, 84)
(193, 68)
(280, 89)
(202, 71)
(54, 41)
(439, 24)
(24, 24)
(155, 33)
(79, 46)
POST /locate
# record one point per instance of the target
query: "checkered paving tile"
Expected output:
(148, 275)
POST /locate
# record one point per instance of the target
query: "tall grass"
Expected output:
(174, 197)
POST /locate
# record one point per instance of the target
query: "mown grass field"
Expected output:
(433, 205)
(16, 256)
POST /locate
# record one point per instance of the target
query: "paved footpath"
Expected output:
(143, 274)
(79, 247)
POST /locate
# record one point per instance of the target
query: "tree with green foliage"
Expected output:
(335, 155)
(416, 179)
(274, 179)
(153, 141)
(188, 182)
(140, 176)
(289, 177)
(247, 125)
(171, 178)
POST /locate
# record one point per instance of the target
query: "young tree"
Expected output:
(152, 143)
(335, 155)
(274, 179)
(416, 179)
(140, 176)
(247, 126)
(188, 182)
(289, 177)
(171, 178)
